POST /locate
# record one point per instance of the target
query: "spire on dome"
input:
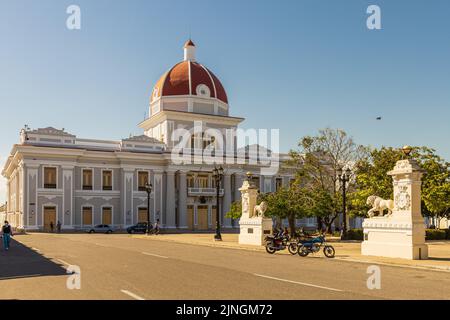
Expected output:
(189, 51)
(189, 43)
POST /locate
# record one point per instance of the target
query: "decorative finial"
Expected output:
(407, 150)
(189, 51)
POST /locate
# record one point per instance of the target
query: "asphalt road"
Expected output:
(121, 267)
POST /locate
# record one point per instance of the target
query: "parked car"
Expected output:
(140, 227)
(100, 228)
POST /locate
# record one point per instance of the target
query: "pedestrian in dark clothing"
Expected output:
(51, 226)
(7, 233)
(58, 227)
(156, 227)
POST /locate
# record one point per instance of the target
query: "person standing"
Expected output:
(7, 233)
(51, 226)
(58, 227)
(156, 227)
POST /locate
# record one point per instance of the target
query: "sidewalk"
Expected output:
(439, 251)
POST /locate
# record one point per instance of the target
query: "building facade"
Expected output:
(54, 176)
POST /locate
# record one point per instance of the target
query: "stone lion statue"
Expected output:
(379, 205)
(258, 211)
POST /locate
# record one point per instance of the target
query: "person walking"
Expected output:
(7, 233)
(51, 226)
(58, 227)
(156, 227)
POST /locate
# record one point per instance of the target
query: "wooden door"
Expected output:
(87, 216)
(202, 217)
(190, 217)
(49, 219)
(107, 216)
(142, 215)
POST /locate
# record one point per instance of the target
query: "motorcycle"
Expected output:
(297, 241)
(276, 243)
(314, 245)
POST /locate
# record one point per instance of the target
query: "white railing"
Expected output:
(204, 192)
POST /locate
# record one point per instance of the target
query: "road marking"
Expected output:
(131, 294)
(155, 255)
(416, 266)
(101, 245)
(19, 277)
(300, 283)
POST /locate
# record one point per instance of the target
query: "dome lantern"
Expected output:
(189, 51)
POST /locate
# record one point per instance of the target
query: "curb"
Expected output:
(212, 245)
(393, 264)
(261, 249)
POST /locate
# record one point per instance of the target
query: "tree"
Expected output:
(235, 210)
(289, 203)
(435, 184)
(317, 162)
(372, 179)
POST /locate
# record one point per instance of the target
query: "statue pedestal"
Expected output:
(402, 234)
(387, 237)
(254, 230)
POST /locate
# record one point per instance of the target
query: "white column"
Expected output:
(17, 198)
(68, 184)
(238, 179)
(157, 195)
(182, 201)
(226, 199)
(170, 200)
(285, 181)
(128, 211)
(23, 196)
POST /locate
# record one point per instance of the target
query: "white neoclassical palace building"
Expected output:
(55, 176)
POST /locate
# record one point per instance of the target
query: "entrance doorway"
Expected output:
(107, 216)
(87, 216)
(49, 219)
(142, 215)
(202, 217)
(190, 217)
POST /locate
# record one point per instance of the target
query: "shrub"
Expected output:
(355, 234)
(435, 234)
(447, 233)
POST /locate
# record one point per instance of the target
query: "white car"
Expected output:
(100, 228)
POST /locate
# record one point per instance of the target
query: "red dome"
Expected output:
(189, 78)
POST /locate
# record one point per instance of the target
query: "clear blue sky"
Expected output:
(294, 65)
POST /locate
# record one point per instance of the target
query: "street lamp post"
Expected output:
(218, 175)
(344, 178)
(148, 189)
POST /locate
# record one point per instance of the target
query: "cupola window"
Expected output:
(203, 91)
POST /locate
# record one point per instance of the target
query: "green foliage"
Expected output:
(355, 234)
(435, 234)
(435, 185)
(372, 179)
(235, 210)
(317, 162)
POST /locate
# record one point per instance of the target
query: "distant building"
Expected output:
(53, 175)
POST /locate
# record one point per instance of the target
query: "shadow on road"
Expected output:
(23, 262)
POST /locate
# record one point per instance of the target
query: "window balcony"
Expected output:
(207, 192)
